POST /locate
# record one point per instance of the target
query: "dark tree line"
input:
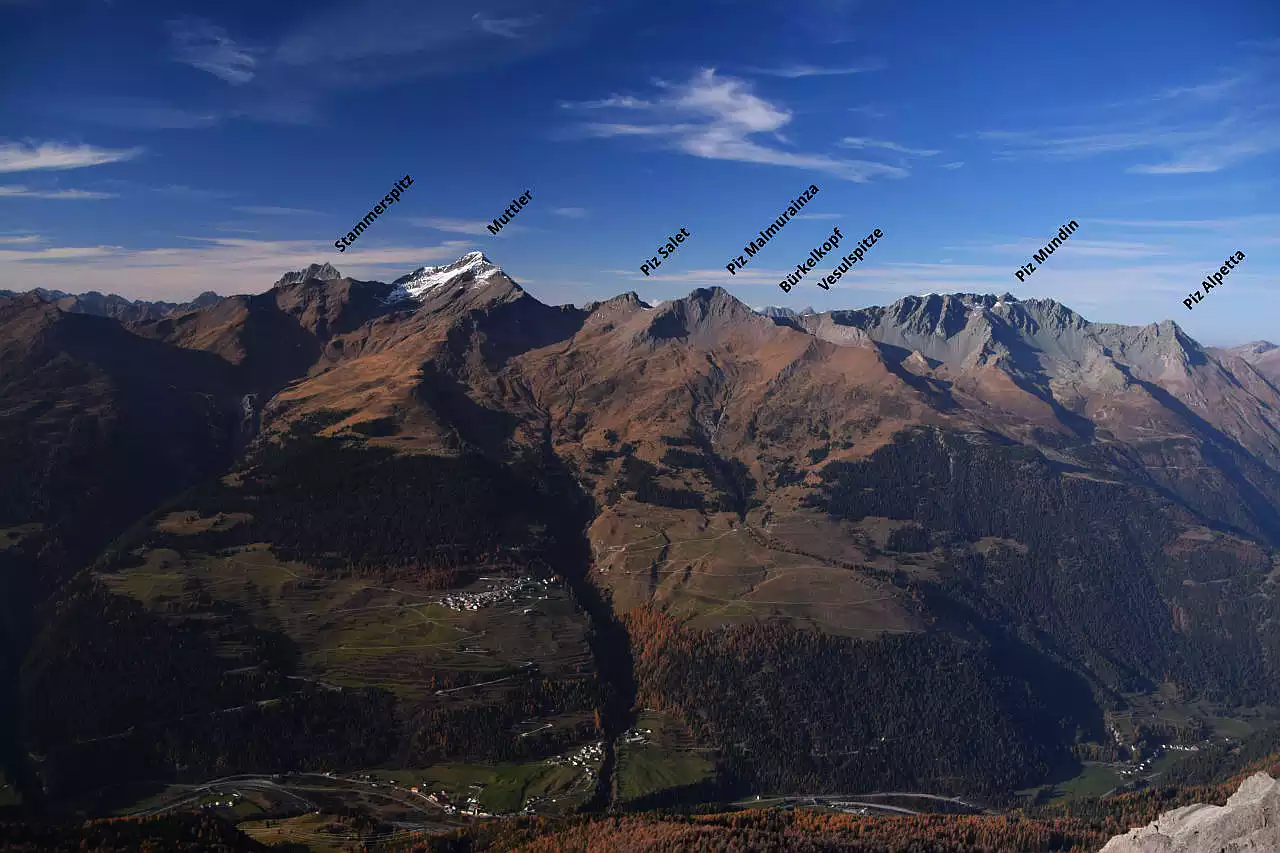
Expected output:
(799, 711)
(1097, 579)
(193, 832)
(114, 690)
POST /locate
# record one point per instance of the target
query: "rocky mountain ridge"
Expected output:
(319, 272)
(1248, 823)
(117, 307)
(1263, 355)
(1068, 512)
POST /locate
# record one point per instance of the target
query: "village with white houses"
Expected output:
(503, 591)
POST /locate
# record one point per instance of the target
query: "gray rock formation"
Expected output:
(1035, 338)
(320, 272)
(1263, 355)
(117, 307)
(1248, 823)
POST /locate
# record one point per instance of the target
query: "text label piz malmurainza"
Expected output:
(379, 209)
(767, 234)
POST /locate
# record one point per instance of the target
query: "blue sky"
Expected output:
(160, 149)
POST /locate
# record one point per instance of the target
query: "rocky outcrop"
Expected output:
(116, 307)
(319, 272)
(1248, 823)
(1263, 355)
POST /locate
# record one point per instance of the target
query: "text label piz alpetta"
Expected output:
(1213, 280)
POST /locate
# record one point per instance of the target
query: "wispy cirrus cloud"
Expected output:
(869, 110)
(139, 114)
(397, 39)
(719, 117)
(193, 193)
(269, 210)
(1261, 221)
(1204, 91)
(1088, 248)
(20, 239)
(286, 80)
(205, 45)
(56, 253)
(1213, 156)
(1190, 129)
(17, 191)
(861, 142)
(474, 227)
(571, 212)
(31, 156)
(1187, 150)
(222, 264)
(793, 72)
(506, 27)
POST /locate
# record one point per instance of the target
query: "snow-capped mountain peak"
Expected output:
(471, 270)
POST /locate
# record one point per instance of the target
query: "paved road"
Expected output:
(327, 784)
(860, 800)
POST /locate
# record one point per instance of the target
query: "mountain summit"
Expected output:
(472, 268)
(319, 272)
(936, 543)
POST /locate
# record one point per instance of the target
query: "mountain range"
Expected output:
(955, 544)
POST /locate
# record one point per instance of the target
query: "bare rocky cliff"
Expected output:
(1248, 823)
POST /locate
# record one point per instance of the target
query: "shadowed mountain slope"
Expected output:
(954, 502)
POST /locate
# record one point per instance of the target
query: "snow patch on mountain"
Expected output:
(471, 270)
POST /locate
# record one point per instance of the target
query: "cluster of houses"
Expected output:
(588, 757)
(637, 736)
(222, 804)
(470, 806)
(504, 592)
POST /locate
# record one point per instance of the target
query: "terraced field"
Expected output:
(403, 637)
(659, 754)
(716, 569)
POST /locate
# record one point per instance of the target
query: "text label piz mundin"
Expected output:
(1214, 279)
(379, 209)
(767, 234)
(1063, 233)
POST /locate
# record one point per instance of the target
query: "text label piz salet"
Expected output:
(666, 251)
(767, 234)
